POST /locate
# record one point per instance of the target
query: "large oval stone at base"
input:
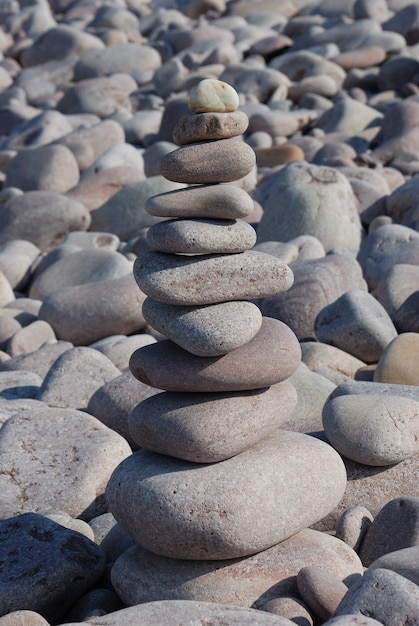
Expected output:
(141, 576)
(229, 509)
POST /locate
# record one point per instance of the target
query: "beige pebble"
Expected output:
(211, 95)
(399, 362)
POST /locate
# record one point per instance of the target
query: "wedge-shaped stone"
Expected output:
(222, 201)
(269, 358)
(219, 161)
(210, 330)
(210, 427)
(201, 236)
(231, 509)
(207, 279)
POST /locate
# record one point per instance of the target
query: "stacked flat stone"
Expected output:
(216, 477)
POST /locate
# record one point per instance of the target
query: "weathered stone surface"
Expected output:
(301, 199)
(141, 576)
(211, 330)
(48, 566)
(207, 428)
(164, 613)
(204, 126)
(222, 201)
(270, 357)
(191, 281)
(172, 497)
(219, 161)
(201, 236)
(373, 429)
(383, 595)
(41, 470)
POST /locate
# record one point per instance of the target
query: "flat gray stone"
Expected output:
(164, 503)
(48, 566)
(270, 357)
(46, 461)
(210, 330)
(222, 201)
(202, 126)
(141, 576)
(356, 323)
(75, 376)
(190, 281)
(373, 429)
(201, 236)
(207, 428)
(219, 161)
(383, 595)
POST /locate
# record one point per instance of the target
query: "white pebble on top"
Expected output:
(213, 96)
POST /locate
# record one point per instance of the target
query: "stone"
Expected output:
(19, 384)
(207, 331)
(117, 153)
(102, 96)
(88, 240)
(208, 428)
(6, 291)
(222, 201)
(75, 376)
(353, 620)
(218, 161)
(186, 611)
(123, 214)
(86, 313)
(125, 57)
(385, 247)
(399, 513)
(42, 217)
(23, 617)
(348, 116)
(383, 595)
(372, 429)
(396, 286)
(109, 535)
(362, 57)
(167, 504)
(167, 366)
(189, 281)
(30, 338)
(398, 363)
(38, 131)
(356, 323)
(403, 562)
(39, 361)
(8, 327)
(16, 258)
(57, 43)
(352, 526)
(317, 355)
(211, 125)
(300, 64)
(113, 402)
(37, 550)
(317, 283)
(250, 581)
(40, 471)
(405, 318)
(291, 608)
(95, 602)
(118, 348)
(48, 168)
(201, 236)
(213, 96)
(303, 186)
(321, 590)
(79, 268)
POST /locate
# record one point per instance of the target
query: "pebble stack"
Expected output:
(215, 478)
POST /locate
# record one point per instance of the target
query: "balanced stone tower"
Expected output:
(216, 478)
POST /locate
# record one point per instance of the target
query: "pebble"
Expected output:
(39, 361)
(356, 323)
(352, 526)
(398, 363)
(167, 366)
(118, 348)
(250, 581)
(209, 125)
(201, 236)
(191, 426)
(403, 562)
(43, 549)
(209, 331)
(213, 96)
(30, 338)
(321, 590)
(293, 609)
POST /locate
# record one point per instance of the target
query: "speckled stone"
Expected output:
(270, 357)
(211, 330)
(207, 428)
(221, 161)
(201, 236)
(202, 201)
(199, 510)
(204, 126)
(191, 280)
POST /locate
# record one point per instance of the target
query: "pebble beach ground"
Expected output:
(300, 204)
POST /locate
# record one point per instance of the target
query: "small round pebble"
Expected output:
(215, 96)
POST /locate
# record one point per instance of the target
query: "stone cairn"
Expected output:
(216, 477)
